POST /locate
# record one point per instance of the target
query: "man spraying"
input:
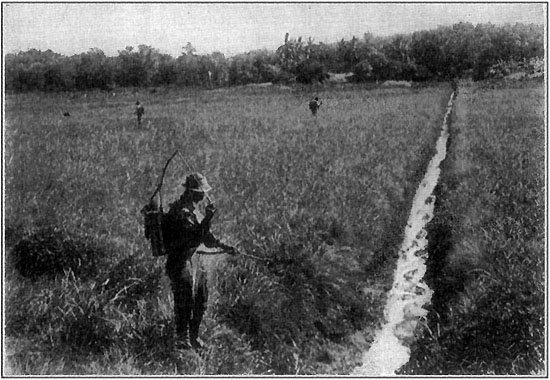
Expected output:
(183, 234)
(186, 238)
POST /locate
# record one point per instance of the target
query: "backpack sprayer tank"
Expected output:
(153, 227)
(153, 215)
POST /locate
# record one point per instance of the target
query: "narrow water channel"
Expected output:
(409, 294)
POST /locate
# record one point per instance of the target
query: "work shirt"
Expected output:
(184, 231)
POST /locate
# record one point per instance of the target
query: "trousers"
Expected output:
(188, 279)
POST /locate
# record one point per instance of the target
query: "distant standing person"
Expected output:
(139, 112)
(314, 105)
(454, 85)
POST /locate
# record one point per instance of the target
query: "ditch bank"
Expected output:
(409, 293)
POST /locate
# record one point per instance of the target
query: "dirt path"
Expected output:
(404, 307)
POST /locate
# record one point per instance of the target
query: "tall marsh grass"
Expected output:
(488, 239)
(323, 200)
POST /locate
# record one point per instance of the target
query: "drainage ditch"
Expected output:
(409, 293)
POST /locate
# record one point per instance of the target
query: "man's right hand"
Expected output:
(209, 211)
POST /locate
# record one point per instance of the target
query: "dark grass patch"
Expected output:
(49, 252)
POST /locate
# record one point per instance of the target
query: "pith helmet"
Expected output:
(197, 182)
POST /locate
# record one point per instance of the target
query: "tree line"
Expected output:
(460, 50)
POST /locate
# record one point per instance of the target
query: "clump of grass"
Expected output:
(132, 279)
(295, 300)
(72, 316)
(49, 252)
(57, 314)
(230, 353)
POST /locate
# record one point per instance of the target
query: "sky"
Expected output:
(232, 28)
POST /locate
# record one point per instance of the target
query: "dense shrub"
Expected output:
(362, 71)
(452, 51)
(311, 71)
(533, 68)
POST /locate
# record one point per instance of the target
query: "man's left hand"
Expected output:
(210, 211)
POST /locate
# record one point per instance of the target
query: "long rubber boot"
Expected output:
(183, 303)
(199, 307)
(194, 334)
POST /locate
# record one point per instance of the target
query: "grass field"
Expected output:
(488, 239)
(324, 199)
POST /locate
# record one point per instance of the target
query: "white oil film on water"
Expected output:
(409, 294)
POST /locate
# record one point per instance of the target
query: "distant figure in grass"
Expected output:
(187, 239)
(314, 105)
(66, 114)
(454, 85)
(139, 112)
